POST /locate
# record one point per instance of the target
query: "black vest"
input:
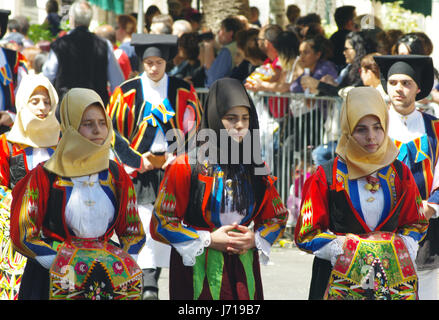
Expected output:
(82, 62)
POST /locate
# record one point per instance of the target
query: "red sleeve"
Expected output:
(412, 220)
(4, 163)
(28, 208)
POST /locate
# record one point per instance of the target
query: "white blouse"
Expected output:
(189, 250)
(407, 128)
(89, 211)
(372, 214)
(38, 155)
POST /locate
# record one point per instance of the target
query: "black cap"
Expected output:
(418, 67)
(155, 45)
(4, 17)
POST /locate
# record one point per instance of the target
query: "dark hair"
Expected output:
(271, 32)
(247, 41)
(321, 44)
(369, 63)
(293, 13)
(150, 12)
(363, 43)
(189, 43)
(417, 43)
(52, 6)
(232, 23)
(343, 14)
(287, 47)
(393, 36)
(309, 18)
(127, 22)
(196, 17)
(13, 25)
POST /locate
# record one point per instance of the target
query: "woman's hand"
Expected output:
(146, 164)
(226, 240)
(310, 83)
(169, 158)
(5, 119)
(428, 210)
(220, 239)
(242, 240)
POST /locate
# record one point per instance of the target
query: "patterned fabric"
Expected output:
(215, 275)
(172, 201)
(94, 270)
(37, 217)
(11, 262)
(421, 156)
(376, 266)
(402, 202)
(136, 121)
(16, 64)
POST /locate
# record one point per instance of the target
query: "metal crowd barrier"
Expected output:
(296, 131)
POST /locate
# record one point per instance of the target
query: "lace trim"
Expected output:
(330, 251)
(264, 248)
(189, 250)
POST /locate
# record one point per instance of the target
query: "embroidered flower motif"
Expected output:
(407, 270)
(368, 259)
(386, 236)
(386, 263)
(118, 267)
(81, 268)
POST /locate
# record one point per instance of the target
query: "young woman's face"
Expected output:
(39, 102)
(237, 122)
(155, 68)
(93, 124)
(308, 57)
(403, 49)
(349, 51)
(369, 133)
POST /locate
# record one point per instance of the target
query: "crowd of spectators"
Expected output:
(265, 57)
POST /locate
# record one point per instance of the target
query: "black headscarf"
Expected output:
(224, 94)
(4, 18)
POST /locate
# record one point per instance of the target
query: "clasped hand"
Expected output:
(233, 239)
(5, 119)
(147, 165)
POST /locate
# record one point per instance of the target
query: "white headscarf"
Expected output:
(28, 129)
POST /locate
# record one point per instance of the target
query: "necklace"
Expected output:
(372, 185)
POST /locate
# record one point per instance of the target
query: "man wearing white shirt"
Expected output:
(407, 79)
(144, 109)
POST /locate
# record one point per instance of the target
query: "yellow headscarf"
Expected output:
(28, 129)
(75, 155)
(360, 102)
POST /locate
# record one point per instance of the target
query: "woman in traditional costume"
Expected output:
(218, 215)
(31, 140)
(361, 213)
(148, 112)
(65, 211)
